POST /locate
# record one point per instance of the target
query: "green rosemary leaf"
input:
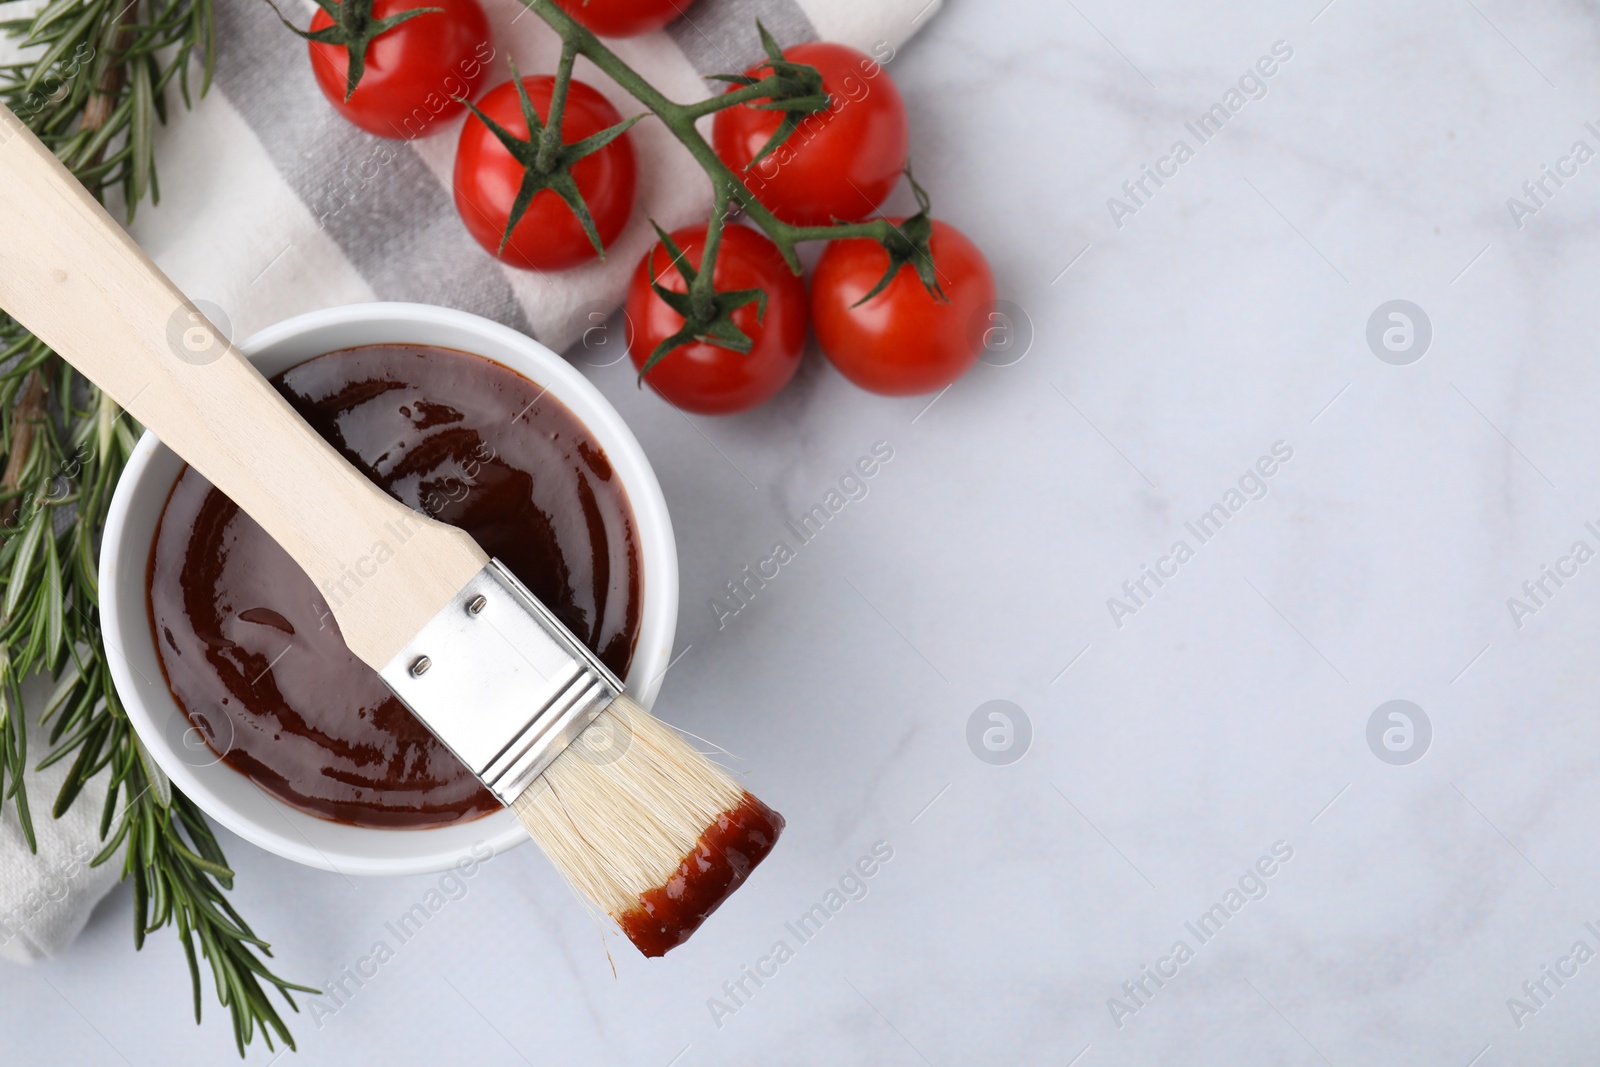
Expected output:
(188, 954)
(52, 14)
(66, 685)
(158, 785)
(61, 44)
(117, 125)
(108, 811)
(53, 604)
(141, 134)
(22, 563)
(76, 778)
(109, 850)
(19, 794)
(195, 860)
(141, 905)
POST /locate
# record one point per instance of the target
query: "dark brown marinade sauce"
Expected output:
(247, 643)
(719, 863)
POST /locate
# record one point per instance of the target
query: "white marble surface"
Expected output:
(1227, 715)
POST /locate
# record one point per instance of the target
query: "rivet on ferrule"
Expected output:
(506, 698)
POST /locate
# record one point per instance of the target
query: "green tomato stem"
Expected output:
(550, 141)
(680, 120)
(703, 292)
(722, 101)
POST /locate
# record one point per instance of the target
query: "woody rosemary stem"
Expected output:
(680, 120)
(26, 418)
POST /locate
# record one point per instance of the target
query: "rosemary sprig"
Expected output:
(93, 91)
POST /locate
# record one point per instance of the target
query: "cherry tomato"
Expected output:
(623, 18)
(707, 378)
(840, 163)
(487, 178)
(903, 341)
(413, 71)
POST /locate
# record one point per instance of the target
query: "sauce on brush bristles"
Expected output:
(646, 827)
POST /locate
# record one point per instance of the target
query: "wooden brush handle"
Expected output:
(74, 278)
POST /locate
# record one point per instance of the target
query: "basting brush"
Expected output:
(639, 823)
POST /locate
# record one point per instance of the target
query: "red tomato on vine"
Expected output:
(535, 219)
(702, 376)
(904, 340)
(394, 67)
(839, 163)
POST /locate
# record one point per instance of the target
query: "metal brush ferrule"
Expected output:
(501, 681)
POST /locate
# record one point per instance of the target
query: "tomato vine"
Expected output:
(796, 90)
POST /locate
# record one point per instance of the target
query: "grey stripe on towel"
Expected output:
(720, 36)
(374, 196)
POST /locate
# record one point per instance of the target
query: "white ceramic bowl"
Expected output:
(228, 796)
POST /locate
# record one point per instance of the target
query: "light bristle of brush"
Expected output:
(645, 827)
